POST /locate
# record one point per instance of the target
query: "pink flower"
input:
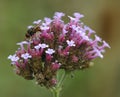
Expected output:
(75, 58)
(53, 81)
(55, 66)
(48, 57)
(74, 45)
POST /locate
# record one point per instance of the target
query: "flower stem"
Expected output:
(57, 92)
(60, 83)
(57, 89)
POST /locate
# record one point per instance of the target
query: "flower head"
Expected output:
(71, 44)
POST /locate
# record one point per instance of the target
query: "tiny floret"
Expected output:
(97, 38)
(71, 18)
(13, 58)
(50, 51)
(26, 56)
(105, 44)
(22, 43)
(47, 20)
(98, 53)
(37, 22)
(70, 43)
(44, 27)
(59, 15)
(89, 30)
(43, 45)
(29, 27)
(37, 47)
(78, 15)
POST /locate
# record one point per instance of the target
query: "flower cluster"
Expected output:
(51, 45)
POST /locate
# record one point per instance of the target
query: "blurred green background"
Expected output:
(102, 80)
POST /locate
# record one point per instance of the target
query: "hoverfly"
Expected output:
(31, 31)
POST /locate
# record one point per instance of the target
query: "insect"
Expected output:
(31, 31)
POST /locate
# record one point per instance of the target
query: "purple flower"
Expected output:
(74, 45)
(78, 15)
(70, 43)
(50, 51)
(98, 53)
(37, 22)
(64, 30)
(44, 27)
(55, 66)
(47, 20)
(26, 56)
(90, 31)
(13, 58)
(59, 15)
(105, 44)
(97, 38)
(22, 43)
(43, 45)
(71, 18)
(37, 47)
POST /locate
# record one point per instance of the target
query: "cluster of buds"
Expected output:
(51, 45)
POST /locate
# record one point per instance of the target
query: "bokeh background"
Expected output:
(102, 80)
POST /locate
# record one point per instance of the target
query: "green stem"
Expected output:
(56, 90)
(57, 94)
(62, 80)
